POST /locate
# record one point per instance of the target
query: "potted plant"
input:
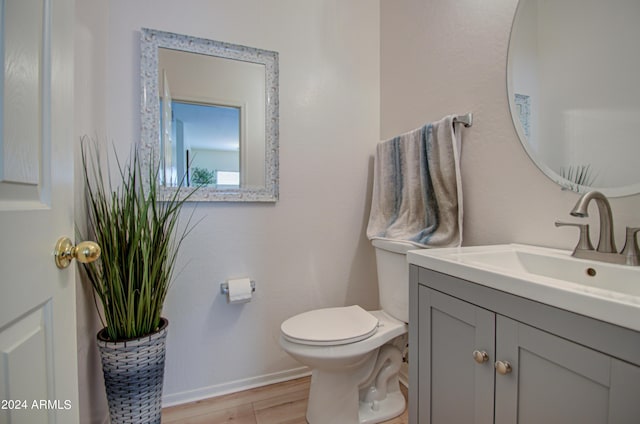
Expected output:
(140, 236)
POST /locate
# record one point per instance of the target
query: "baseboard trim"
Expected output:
(233, 386)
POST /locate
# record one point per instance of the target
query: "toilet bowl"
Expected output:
(356, 355)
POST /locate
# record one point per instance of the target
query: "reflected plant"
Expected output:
(202, 177)
(577, 176)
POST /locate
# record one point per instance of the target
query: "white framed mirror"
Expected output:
(210, 117)
(573, 92)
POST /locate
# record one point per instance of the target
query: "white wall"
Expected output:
(440, 57)
(90, 111)
(306, 251)
(221, 160)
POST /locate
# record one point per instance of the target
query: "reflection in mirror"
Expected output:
(572, 83)
(204, 141)
(210, 116)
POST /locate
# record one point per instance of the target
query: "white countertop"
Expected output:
(545, 275)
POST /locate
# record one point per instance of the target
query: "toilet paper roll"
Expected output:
(239, 290)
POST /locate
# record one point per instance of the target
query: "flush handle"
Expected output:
(84, 252)
(480, 356)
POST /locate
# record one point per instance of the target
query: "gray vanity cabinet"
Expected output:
(562, 367)
(453, 388)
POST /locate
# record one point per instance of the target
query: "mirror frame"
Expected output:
(150, 41)
(622, 191)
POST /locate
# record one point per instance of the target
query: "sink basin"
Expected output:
(603, 291)
(559, 265)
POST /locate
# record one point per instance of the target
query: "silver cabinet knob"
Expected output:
(503, 367)
(480, 356)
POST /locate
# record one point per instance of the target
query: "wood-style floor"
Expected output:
(282, 403)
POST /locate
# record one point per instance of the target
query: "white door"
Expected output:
(38, 355)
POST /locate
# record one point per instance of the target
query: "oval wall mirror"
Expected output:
(210, 117)
(572, 78)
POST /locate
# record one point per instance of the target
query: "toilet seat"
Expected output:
(330, 326)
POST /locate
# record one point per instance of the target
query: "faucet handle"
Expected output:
(631, 252)
(584, 243)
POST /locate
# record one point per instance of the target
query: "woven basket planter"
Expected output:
(133, 374)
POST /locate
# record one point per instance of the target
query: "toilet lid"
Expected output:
(330, 326)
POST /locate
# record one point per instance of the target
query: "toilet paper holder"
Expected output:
(224, 287)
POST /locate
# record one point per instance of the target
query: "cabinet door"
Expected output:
(452, 386)
(555, 381)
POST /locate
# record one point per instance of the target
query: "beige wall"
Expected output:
(306, 251)
(440, 57)
(90, 115)
(351, 73)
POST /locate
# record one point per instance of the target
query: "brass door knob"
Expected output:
(480, 356)
(503, 367)
(84, 252)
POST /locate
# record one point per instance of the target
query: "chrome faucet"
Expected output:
(606, 243)
(606, 250)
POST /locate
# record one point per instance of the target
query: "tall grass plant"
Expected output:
(139, 234)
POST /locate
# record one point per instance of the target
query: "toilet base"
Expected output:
(333, 395)
(367, 392)
(343, 407)
(378, 411)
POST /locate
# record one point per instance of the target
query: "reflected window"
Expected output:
(228, 178)
(203, 144)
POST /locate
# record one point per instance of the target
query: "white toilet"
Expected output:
(355, 355)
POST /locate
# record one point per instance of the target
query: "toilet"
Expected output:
(355, 355)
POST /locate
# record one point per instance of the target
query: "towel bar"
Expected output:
(466, 120)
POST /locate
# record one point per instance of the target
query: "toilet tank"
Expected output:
(393, 277)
